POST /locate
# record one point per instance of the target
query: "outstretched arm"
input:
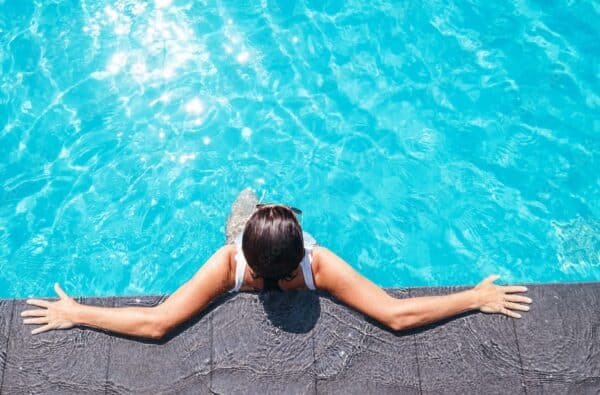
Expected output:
(334, 275)
(211, 280)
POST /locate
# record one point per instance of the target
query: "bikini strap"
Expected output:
(240, 268)
(306, 265)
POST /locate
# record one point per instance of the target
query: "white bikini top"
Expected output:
(305, 264)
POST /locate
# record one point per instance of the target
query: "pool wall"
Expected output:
(303, 342)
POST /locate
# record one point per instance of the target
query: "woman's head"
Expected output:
(272, 242)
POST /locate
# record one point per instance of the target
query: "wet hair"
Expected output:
(272, 244)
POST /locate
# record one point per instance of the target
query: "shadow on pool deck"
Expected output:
(303, 342)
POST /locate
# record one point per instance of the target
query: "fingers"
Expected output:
(34, 313)
(41, 329)
(514, 288)
(35, 321)
(38, 302)
(517, 298)
(505, 288)
(510, 313)
(60, 291)
(516, 306)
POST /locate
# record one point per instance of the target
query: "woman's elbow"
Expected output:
(402, 320)
(398, 324)
(159, 327)
(157, 332)
(403, 323)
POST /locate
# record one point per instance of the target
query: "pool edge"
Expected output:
(307, 342)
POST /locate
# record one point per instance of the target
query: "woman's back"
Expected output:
(244, 279)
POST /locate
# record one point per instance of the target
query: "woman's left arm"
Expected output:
(334, 275)
(211, 280)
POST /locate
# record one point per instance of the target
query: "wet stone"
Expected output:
(354, 356)
(262, 343)
(177, 364)
(559, 339)
(55, 362)
(473, 353)
(6, 310)
(306, 342)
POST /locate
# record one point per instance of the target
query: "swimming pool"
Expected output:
(427, 143)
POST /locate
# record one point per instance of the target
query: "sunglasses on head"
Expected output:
(296, 211)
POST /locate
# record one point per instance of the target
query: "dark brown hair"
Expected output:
(272, 243)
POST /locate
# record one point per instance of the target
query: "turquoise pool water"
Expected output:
(428, 143)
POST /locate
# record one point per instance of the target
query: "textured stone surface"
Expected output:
(6, 311)
(477, 353)
(353, 356)
(305, 342)
(177, 364)
(560, 339)
(55, 362)
(263, 344)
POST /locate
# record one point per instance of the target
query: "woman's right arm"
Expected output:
(211, 280)
(334, 275)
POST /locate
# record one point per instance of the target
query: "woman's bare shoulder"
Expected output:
(228, 264)
(317, 258)
(230, 250)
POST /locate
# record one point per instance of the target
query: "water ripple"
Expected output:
(427, 144)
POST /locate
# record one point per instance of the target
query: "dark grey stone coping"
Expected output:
(306, 342)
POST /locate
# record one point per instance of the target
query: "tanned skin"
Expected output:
(330, 272)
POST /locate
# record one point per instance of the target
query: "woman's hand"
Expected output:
(54, 315)
(500, 299)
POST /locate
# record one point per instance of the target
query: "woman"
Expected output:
(273, 252)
